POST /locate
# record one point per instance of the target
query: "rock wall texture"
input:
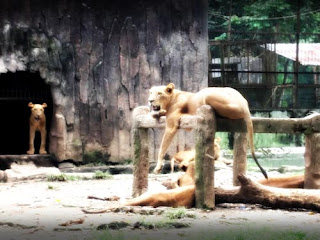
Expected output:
(100, 58)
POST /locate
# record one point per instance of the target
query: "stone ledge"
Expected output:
(45, 160)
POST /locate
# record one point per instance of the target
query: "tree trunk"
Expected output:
(240, 146)
(251, 192)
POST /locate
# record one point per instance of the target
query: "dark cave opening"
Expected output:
(16, 91)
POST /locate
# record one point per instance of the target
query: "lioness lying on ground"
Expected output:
(227, 102)
(281, 182)
(184, 157)
(184, 193)
(37, 122)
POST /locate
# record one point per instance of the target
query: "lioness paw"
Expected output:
(157, 169)
(30, 152)
(43, 152)
(158, 114)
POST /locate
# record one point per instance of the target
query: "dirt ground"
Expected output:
(39, 209)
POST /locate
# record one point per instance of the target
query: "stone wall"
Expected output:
(100, 58)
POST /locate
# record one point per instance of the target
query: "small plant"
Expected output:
(178, 213)
(101, 175)
(64, 177)
(50, 187)
(95, 158)
(127, 161)
(57, 178)
(106, 234)
(61, 178)
(165, 223)
(261, 234)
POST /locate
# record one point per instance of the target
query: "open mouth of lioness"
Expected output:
(155, 107)
(37, 118)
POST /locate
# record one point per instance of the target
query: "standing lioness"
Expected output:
(173, 103)
(37, 122)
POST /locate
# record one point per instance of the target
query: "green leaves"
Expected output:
(278, 16)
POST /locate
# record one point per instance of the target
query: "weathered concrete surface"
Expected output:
(45, 160)
(28, 171)
(35, 210)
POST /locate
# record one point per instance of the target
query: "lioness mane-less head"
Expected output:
(37, 110)
(159, 96)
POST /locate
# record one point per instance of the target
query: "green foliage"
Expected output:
(101, 175)
(58, 178)
(259, 234)
(277, 16)
(50, 187)
(164, 223)
(95, 157)
(239, 234)
(98, 175)
(178, 213)
(266, 140)
(127, 161)
(106, 234)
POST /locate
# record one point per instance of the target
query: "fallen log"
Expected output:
(255, 193)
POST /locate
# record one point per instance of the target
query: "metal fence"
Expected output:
(271, 74)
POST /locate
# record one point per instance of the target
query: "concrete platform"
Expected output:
(45, 160)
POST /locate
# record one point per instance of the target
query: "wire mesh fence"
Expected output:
(270, 73)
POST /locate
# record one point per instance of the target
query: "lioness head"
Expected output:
(37, 110)
(160, 96)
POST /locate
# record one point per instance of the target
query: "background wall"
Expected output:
(100, 58)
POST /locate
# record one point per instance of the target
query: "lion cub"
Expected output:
(37, 122)
(185, 157)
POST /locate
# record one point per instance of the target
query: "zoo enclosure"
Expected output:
(205, 124)
(272, 74)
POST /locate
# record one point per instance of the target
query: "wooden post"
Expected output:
(140, 154)
(204, 176)
(312, 161)
(240, 146)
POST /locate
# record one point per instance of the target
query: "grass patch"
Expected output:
(107, 235)
(127, 161)
(259, 234)
(101, 175)
(98, 175)
(60, 178)
(50, 187)
(163, 224)
(178, 213)
(245, 233)
(169, 221)
(95, 158)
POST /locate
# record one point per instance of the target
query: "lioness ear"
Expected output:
(44, 105)
(169, 88)
(30, 104)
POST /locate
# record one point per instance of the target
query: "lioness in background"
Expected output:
(280, 182)
(185, 157)
(37, 122)
(227, 102)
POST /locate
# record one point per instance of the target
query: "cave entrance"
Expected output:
(16, 91)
